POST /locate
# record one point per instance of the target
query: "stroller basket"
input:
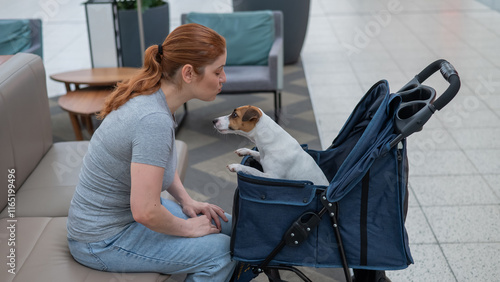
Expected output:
(358, 220)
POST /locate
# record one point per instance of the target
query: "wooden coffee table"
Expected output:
(94, 77)
(83, 104)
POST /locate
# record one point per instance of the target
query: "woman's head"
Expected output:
(189, 44)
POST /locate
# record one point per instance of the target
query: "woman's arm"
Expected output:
(193, 208)
(147, 208)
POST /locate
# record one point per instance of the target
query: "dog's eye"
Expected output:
(234, 115)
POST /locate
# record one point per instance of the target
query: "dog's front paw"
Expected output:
(234, 167)
(243, 152)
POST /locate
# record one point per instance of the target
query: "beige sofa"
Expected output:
(43, 175)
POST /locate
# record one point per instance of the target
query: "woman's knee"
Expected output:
(218, 268)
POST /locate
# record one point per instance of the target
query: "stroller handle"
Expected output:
(412, 115)
(449, 73)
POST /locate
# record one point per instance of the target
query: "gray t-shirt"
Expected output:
(141, 131)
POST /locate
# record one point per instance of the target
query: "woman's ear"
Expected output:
(187, 73)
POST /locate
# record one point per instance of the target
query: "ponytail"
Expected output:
(145, 82)
(188, 44)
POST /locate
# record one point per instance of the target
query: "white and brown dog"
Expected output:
(280, 155)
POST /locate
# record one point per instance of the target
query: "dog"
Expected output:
(280, 155)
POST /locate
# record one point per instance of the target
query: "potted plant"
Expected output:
(132, 4)
(156, 25)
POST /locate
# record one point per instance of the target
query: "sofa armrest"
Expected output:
(276, 57)
(182, 158)
(276, 63)
(26, 130)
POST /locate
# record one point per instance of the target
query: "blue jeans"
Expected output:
(139, 249)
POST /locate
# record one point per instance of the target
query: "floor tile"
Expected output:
(453, 190)
(342, 105)
(460, 116)
(474, 262)
(430, 265)
(439, 162)
(432, 137)
(332, 78)
(418, 229)
(412, 199)
(494, 182)
(338, 91)
(461, 224)
(477, 138)
(485, 160)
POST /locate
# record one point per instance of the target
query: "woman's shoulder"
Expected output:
(144, 105)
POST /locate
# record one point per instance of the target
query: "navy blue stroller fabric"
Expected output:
(368, 181)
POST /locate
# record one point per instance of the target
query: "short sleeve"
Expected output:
(153, 142)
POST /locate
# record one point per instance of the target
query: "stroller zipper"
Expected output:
(252, 180)
(400, 148)
(403, 174)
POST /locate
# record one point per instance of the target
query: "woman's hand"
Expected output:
(146, 207)
(211, 212)
(200, 226)
(201, 214)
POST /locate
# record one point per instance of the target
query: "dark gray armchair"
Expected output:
(254, 42)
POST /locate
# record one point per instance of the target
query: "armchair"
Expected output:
(21, 36)
(254, 42)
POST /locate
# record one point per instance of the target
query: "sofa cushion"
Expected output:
(42, 255)
(50, 187)
(15, 36)
(249, 35)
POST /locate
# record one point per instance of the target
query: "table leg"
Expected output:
(88, 124)
(68, 87)
(76, 126)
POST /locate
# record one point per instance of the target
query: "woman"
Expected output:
(117, 220)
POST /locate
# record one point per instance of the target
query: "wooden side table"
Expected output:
(88, 101)
(83, 103)
(94, 77)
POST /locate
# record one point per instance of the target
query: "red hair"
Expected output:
(192, 44)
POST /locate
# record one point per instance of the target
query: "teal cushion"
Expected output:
(249, 35)
(15, 36)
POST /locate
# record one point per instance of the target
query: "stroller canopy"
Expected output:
(364, 138)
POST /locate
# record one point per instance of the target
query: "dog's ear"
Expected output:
(251, 114)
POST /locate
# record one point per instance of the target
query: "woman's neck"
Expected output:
(175, 97)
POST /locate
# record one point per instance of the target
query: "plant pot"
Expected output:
(156, 28)
(296, 18)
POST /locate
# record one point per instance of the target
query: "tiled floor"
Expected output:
(454, 215)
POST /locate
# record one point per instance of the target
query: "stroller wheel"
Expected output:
(273, 275)
(364, 275)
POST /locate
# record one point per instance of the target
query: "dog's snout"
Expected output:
(215, 121)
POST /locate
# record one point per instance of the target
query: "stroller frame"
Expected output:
(413, 112)
(298, 233)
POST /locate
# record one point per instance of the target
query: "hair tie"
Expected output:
(160, 49)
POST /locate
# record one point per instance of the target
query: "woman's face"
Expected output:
(209, 84)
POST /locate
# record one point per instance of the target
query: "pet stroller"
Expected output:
(358, 220)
